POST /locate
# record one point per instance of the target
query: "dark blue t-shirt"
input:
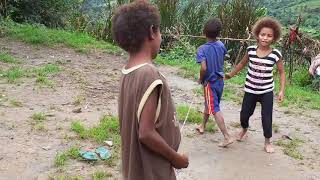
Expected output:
(213, 54)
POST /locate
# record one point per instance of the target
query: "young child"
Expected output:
(149, 132)
(259, 83)
(211, 57)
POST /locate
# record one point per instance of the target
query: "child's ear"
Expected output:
(152, 32)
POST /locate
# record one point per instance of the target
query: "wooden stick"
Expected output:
(231, 39)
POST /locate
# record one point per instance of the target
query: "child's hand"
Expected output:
(181, 162)
(281, 96)
(227, 76)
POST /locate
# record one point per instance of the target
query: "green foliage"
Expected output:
(52, 13)
(40, 35)
(287, 11)
(7, 58)
(182, 54)
(194, 115)
(61, 158)
(108, 128)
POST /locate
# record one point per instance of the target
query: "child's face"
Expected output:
(265, 37)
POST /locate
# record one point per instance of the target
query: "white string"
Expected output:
(177, 171)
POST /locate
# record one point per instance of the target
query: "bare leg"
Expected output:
(241, 135)
(220, 122)
(202, 127)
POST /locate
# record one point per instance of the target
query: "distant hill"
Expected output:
(287, 11)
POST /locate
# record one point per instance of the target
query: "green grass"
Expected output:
(194, 115)
(7, 58)
(13, 74)
(41, 73)
(39, 117)
(16, 103)
(78, 100)
(107, 129)
(46, 70)
(290, 147)
(211, 127)
(61, 158)
(40, 35)
(101, 175)
(37, 122)
(42, 80)
(188, 68)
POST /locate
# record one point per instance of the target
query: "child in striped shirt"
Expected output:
(259, 83)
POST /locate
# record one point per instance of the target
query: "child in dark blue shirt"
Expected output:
(211, 57)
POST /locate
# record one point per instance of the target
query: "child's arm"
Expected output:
(238, 67)
(282, 80)
(151, 138)
(203, 70)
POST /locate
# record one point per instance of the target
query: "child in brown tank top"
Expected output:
(149, 132)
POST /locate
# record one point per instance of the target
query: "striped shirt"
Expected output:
(259, 79)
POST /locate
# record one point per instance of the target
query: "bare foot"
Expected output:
(242, 135)
(268, 148)
(200, 129)
(226, 142)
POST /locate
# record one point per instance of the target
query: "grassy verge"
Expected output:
(40, 35)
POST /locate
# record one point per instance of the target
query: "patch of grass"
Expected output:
(61, 158)
(40, 35)
(79, 129)
(290, 147)
(101, 175)
(211, 127)
(39, 117)
(44, 81)
(13, 74)
(194, 115)
(16, 103)
(41, 73)
(46, 69)
(198, 91)
(188, 67)
(7, 58)
(37, 121)
(107, 129)
(78, 100)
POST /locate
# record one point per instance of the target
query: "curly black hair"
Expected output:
(269, 23)
(131, 24)
(212, 28)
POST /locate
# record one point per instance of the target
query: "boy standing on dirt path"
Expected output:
(150, 135)
(211, 57)
(259, 83)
